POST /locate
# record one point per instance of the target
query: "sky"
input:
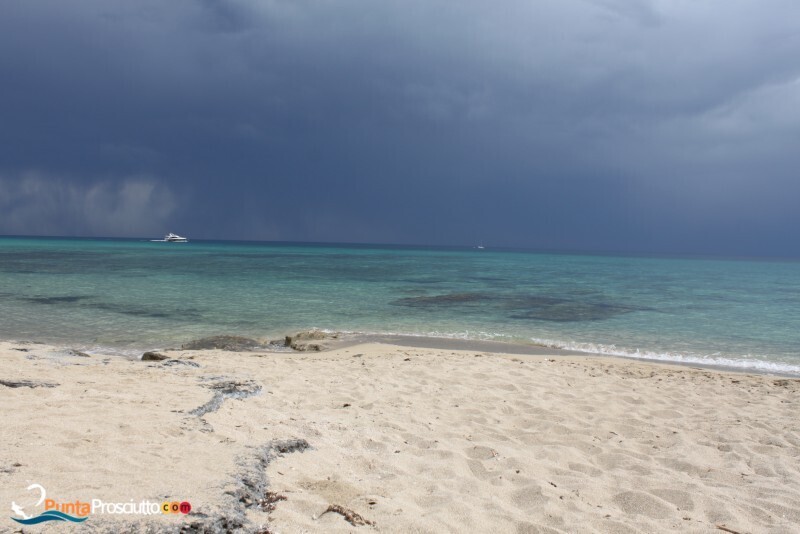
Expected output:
(666, 126)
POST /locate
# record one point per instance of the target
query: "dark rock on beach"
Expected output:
(153, 357)
(309, 341)
(231, 343)
(307, 335)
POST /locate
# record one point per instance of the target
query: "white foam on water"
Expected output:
(747, 362)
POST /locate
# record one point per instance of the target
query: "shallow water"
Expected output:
(132, 295)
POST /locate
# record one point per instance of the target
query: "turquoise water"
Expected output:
(134, 295)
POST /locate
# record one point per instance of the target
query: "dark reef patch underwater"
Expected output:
(538, 308)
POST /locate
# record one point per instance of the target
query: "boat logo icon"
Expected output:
(48, 515)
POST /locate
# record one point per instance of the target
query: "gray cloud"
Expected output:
(638, 125)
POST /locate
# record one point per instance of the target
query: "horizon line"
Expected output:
(503, 248)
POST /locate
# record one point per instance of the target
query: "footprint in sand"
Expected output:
(639, 503)
(682, 499)
(529, 498)
(480, 452)
(478, 470)
(372, 445)
(585, 469)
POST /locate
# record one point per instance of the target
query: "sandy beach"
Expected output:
(386, 438)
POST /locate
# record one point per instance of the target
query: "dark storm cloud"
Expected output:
(604, 124)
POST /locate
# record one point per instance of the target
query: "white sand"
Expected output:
(411, 439)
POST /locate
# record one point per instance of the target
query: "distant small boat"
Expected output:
(171, 238)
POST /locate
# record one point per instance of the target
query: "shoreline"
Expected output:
(542, 350)
(346, 338)
(406, 438)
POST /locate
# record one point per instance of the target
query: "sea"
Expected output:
(131, 295)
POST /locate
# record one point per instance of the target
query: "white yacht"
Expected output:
(171, 238)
